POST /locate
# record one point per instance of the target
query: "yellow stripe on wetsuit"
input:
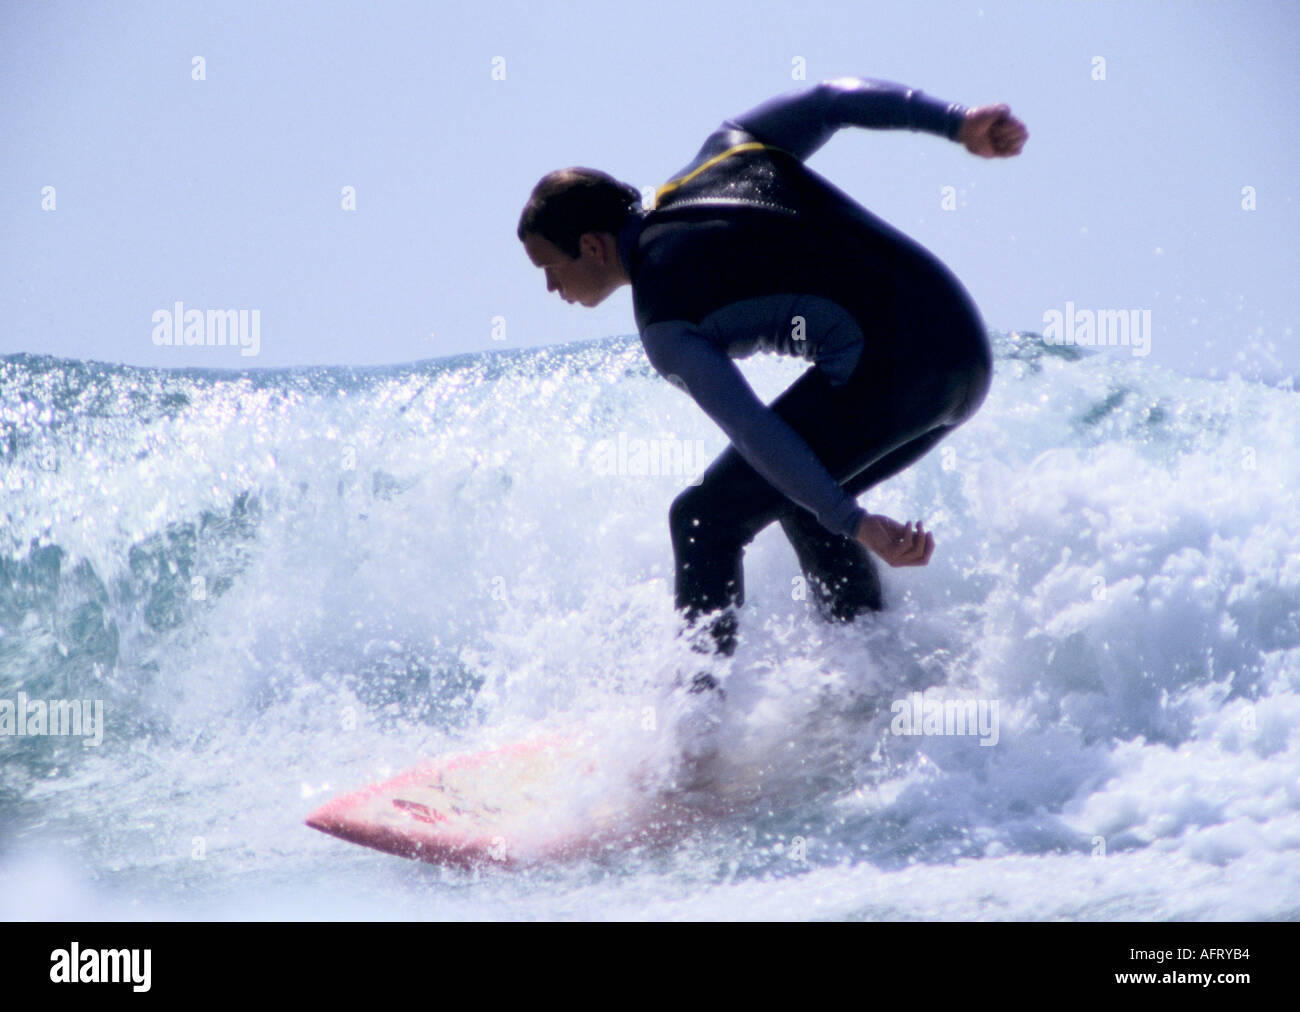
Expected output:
(673, 184)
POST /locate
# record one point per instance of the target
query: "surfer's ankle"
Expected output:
(715, 635)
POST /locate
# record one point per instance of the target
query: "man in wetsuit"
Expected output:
(748, 249)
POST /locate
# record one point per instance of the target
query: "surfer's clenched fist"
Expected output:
(896, 543)
(992, 132)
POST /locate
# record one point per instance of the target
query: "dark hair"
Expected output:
(567, 203)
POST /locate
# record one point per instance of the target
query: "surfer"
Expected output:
(747, 249)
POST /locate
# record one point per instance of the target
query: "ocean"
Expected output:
(277, 585)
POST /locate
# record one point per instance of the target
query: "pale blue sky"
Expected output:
(225, 193)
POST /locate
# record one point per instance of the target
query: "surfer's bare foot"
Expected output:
(898, 544)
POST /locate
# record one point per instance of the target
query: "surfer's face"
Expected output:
(588, 278)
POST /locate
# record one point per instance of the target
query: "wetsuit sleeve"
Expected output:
(768, 444)
(802, 121)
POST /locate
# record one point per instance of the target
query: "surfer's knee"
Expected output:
(687, 512)
(703, 515)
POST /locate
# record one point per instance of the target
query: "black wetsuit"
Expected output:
(748, 249)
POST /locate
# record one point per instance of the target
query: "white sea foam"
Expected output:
(422, 562)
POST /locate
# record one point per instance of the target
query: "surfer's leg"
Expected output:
(839, 570)
(708, 547)
(892, 410)
(714, 521)
(841, 573)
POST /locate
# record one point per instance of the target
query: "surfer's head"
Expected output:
(570, 227)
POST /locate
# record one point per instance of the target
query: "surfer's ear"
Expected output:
(601, 245)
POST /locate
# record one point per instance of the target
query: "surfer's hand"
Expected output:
(897, 544)
(990, 131)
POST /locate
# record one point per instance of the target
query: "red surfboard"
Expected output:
(536, 801)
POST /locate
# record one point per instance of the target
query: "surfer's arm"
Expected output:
(768, 444)
(802, 121)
